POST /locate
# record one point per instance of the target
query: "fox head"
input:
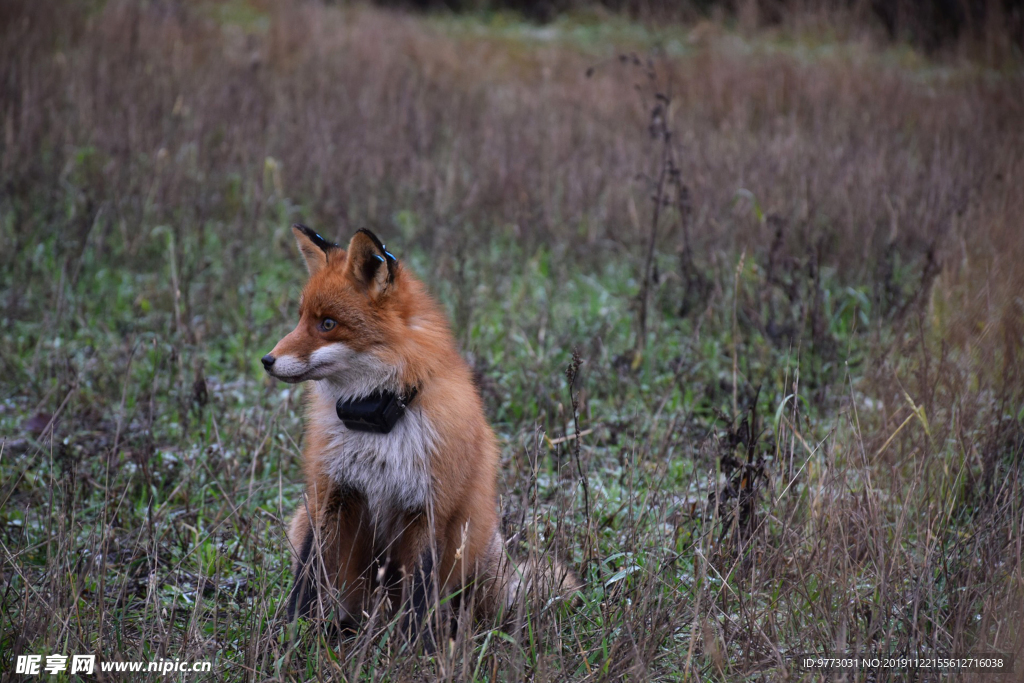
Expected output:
(355, 316)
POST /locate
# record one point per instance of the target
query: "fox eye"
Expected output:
(327, 325)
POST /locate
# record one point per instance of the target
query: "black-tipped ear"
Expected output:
(371, 264)
(314, 248)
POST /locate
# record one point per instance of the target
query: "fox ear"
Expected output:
(313, 247)
(371, 264)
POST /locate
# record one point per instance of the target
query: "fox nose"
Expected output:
(268, 361)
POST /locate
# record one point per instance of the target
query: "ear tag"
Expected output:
(315, 238)
(379, 257)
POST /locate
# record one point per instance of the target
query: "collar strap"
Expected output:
(377, 413)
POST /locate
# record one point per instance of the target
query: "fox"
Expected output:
(400, 464)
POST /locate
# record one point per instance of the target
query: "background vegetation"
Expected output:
(789, 259)
(994, 25)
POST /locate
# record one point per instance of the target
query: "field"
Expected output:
(746, 308)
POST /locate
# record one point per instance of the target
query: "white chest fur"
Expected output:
(391, 470)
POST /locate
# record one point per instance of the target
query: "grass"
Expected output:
(812, 444)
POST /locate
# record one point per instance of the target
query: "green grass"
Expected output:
(192, 485)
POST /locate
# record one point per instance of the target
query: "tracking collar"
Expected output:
(377, 413)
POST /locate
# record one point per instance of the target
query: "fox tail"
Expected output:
(514, 585)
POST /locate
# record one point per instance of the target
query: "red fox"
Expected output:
(400, 463)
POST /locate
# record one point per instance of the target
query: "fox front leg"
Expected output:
(421, 591)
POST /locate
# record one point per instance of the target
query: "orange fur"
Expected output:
(423, 496)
